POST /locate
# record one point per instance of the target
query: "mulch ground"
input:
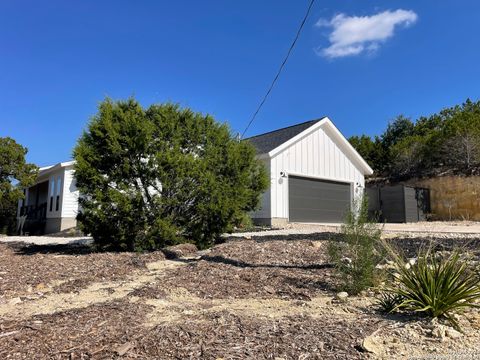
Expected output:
(102, 331)
(292, 272)
(257, 269)
(26, 269)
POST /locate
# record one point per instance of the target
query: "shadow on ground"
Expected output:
(238, 263)
(77, 247)
(313, 236)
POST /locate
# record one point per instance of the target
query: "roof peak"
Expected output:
(266, 142)
(287, 127)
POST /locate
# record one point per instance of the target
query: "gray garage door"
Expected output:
(313, 200)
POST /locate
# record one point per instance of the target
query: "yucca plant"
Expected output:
(436, 287)
(388, 302)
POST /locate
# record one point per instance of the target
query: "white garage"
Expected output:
(314, 174)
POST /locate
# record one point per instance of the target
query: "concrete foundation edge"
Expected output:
(54, 225)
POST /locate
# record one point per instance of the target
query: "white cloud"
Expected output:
(353, 35)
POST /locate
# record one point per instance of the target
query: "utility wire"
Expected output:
(281, 67)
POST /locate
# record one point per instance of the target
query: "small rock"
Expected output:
(372, 345)
(413, 334)
(269, 289)
(41, 286)
(452, 333)
(321, 346)
(387, 266)
(439, 332)
(123, 349)
(15, 301)
(343, 295)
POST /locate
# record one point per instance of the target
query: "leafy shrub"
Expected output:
(356, 255)
(243, 223)
(161, 176)
(434, 286)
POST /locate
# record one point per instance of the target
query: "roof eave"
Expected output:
(367, 170)
(48, 169)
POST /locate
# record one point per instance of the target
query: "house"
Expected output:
(51, 204)
(314, 174)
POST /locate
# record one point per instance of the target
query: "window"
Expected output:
(52, 191)
(59, 184)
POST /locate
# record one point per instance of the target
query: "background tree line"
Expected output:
(15, 174)
(446, 141)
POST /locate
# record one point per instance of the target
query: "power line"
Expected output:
(281, 67)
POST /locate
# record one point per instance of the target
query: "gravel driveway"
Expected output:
(440, 229)
(47, 240)
(434, 228)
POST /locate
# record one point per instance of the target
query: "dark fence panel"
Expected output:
(398, 203)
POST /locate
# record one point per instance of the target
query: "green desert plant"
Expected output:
(356, 256)
(388, 302)
(436, 286)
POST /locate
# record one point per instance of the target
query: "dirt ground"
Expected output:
(244, 299)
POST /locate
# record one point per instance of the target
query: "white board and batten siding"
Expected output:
(320, 152)
(70, 194)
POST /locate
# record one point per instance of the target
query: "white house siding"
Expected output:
(315, 155)
(70, 195)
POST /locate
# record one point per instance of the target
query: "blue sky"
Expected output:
(359, 62)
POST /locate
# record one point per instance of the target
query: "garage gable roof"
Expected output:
(276, 141)
(264, 143)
